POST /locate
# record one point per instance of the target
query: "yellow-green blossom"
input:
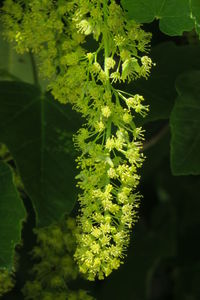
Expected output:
(110, 144)
(6, 281)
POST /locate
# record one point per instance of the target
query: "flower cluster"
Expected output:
(45, 29)
(55, 266)
(110, 144)
(6, 282)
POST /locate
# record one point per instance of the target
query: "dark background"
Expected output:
(163, 261)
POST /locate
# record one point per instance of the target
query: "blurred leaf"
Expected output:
(174, 15)
(12, 65)
(12, 213)
(185, 125)
(187, 282)
(38, 132)
(159, 90)
(184, 195)
(188, 222)
(195, 8)
(18, 67)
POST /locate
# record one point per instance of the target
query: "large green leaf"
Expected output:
(12, 213)
(159, 90)
(185, 126)
(38, 132)
(174, 15)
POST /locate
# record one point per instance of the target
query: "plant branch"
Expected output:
(155, 138)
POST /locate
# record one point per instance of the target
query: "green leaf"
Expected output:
(38, 132)
(12, 213)
(159, 90)
(174, 15)
(185, 125)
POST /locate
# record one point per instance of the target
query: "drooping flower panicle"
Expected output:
(110, 144)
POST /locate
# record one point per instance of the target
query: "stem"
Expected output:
(125, 93)
(105, 39)
(106, 54)
(122, 97)
(156, 138)
(34, 69)
(108, 131)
